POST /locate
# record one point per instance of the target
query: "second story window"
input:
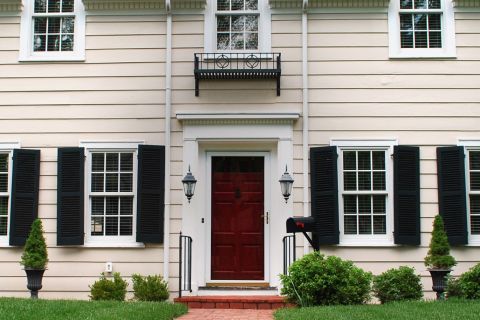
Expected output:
(237, 24)
(4, 193)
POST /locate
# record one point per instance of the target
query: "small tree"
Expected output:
(35, 254)
(438, 256)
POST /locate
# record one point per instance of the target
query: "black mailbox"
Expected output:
(300, 224)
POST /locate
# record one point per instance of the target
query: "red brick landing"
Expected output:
(234, 302)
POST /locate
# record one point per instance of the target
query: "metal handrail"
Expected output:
(184, 264)
(289, 255)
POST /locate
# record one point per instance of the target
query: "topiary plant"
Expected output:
(149, 288)
(105, 289)
(35, 254)
(318, 280)
(438, 256)
(397, 284)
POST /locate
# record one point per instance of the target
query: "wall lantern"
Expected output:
(286, 182)
(189, 182)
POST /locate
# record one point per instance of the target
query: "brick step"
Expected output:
(233, 302)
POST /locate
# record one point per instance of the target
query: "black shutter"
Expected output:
(406, 195)
(324, 194)
(150, 193)
(452, 193)
(24, 197)
(70, 196)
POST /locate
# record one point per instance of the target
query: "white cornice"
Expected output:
(188, 4)
(282, 4)
(237, 118)
(123, 4)
(10, 5)
(467, 3)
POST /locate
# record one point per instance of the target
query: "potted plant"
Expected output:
(438, 260)
(35, 258)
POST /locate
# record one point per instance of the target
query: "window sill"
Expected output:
(114, 245)
(56, 58)
(367, 243)
(422, 54)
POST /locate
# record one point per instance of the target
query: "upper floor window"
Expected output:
(473, 187)
(421, 28)
(237, 25)
(4, 192)
(53, 30)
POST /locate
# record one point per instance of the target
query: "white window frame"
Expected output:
(448, 49)
(469, 145)
(26, 36)
(264, 28)
(109, 241)
(374, 145)
(7, 148)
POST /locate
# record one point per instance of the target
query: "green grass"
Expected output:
(431, 310)
(26, 309)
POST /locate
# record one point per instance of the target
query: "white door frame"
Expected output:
(266, 211)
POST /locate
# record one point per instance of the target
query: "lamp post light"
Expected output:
(189, 182)
(286, 182)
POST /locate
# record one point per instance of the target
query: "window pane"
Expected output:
(126, 161)
(378, 160)
(223, 23)
(98, 162)
(379, 204)
(112, 162)
(364, 181)
(39, 43)
(97, 182)
(434, 4)
(54, 25)
(54, 5)
(435, 40)
(406, 4)
(420, 22)
(3, 226)
(98, 205)
(364, 204)
(421, 4)
(223, 5)
(237, 4)
(68, 25)
(3, 206)
(251, 4)
(223, 41)
(364, 160)
(406, 22)
(475, 180)
(434, 22)
(111, 207)
(3, 182)
(126, 182)
(251, 23)
(111, 184)
(251, 41)
(379, 181)
(97, 226)
(364, 225)
(67, 6)
(237, 41)
(126, 205)
(67, 42)
(475, 214)
(40, 6)
(238, 23)
(111, 226)
(474, 159)
(349, 160)
(350, 224)
(126, 224)
(420, 39)
(53, 43)
(3, 162)
(406, 39)
(350, 204)
(379, 225)
(350, 181)
(40, 25)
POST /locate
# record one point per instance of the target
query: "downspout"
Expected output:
(168, 112)
(305, 113)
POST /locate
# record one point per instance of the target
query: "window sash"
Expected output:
(471, 193)
(6, 194)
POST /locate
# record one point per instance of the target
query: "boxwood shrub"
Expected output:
(397, 284)
(467, 285)
(149, 288)
(105, 289)
(319, 280)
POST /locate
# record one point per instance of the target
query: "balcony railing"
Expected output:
(254, 65)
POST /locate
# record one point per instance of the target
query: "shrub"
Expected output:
(105, 289)
(35, 254)
(469, 283)
(438, 256)
(397, 284)
(149, 288)
(453, 288)
(319, 280)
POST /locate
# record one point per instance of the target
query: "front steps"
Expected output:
(233, 302)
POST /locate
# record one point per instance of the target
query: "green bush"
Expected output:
(438, 256)
(105, 289)
(467, 285)
(149, 288)
(453, 289)
(35, 254)
(397, 284)
(319, 280)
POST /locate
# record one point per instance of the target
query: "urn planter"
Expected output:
(439, 280)
(34, 281)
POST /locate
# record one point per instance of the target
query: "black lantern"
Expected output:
(286, 182)
(189, 182)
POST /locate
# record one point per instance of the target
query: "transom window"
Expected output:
(420, 23)
(237, 24)
(4, 193)
(474, 190)
(53, 25)
(364, 192)
(112, 194)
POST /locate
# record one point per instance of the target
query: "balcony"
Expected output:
(219, 66)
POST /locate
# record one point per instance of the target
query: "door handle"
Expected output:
(266, 215)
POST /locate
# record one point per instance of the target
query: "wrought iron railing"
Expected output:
(252, 65)
(185, 265)
(289, 256)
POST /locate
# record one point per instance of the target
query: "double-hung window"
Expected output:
(4, 194)
(421, 28)
(112, 195)
(53, 30)
(473, 189)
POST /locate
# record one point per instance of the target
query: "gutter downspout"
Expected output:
(168, 112)
(305, 113)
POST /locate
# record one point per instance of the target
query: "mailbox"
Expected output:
(300, 224)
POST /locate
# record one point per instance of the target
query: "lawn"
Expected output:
(20, 309)
(432, 310)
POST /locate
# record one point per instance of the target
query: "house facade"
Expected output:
(370, 105)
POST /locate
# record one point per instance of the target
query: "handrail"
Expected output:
(184, 264)
(289, 255)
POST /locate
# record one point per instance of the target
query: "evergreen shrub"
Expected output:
(105, 289)
(397, 284)
(438, 256)
(35, 255)
(149, 288)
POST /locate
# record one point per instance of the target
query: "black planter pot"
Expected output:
(34, 281)
(439, 279)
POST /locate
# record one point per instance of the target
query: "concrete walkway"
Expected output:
(228, 314)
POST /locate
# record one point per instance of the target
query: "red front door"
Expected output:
(237, 218)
